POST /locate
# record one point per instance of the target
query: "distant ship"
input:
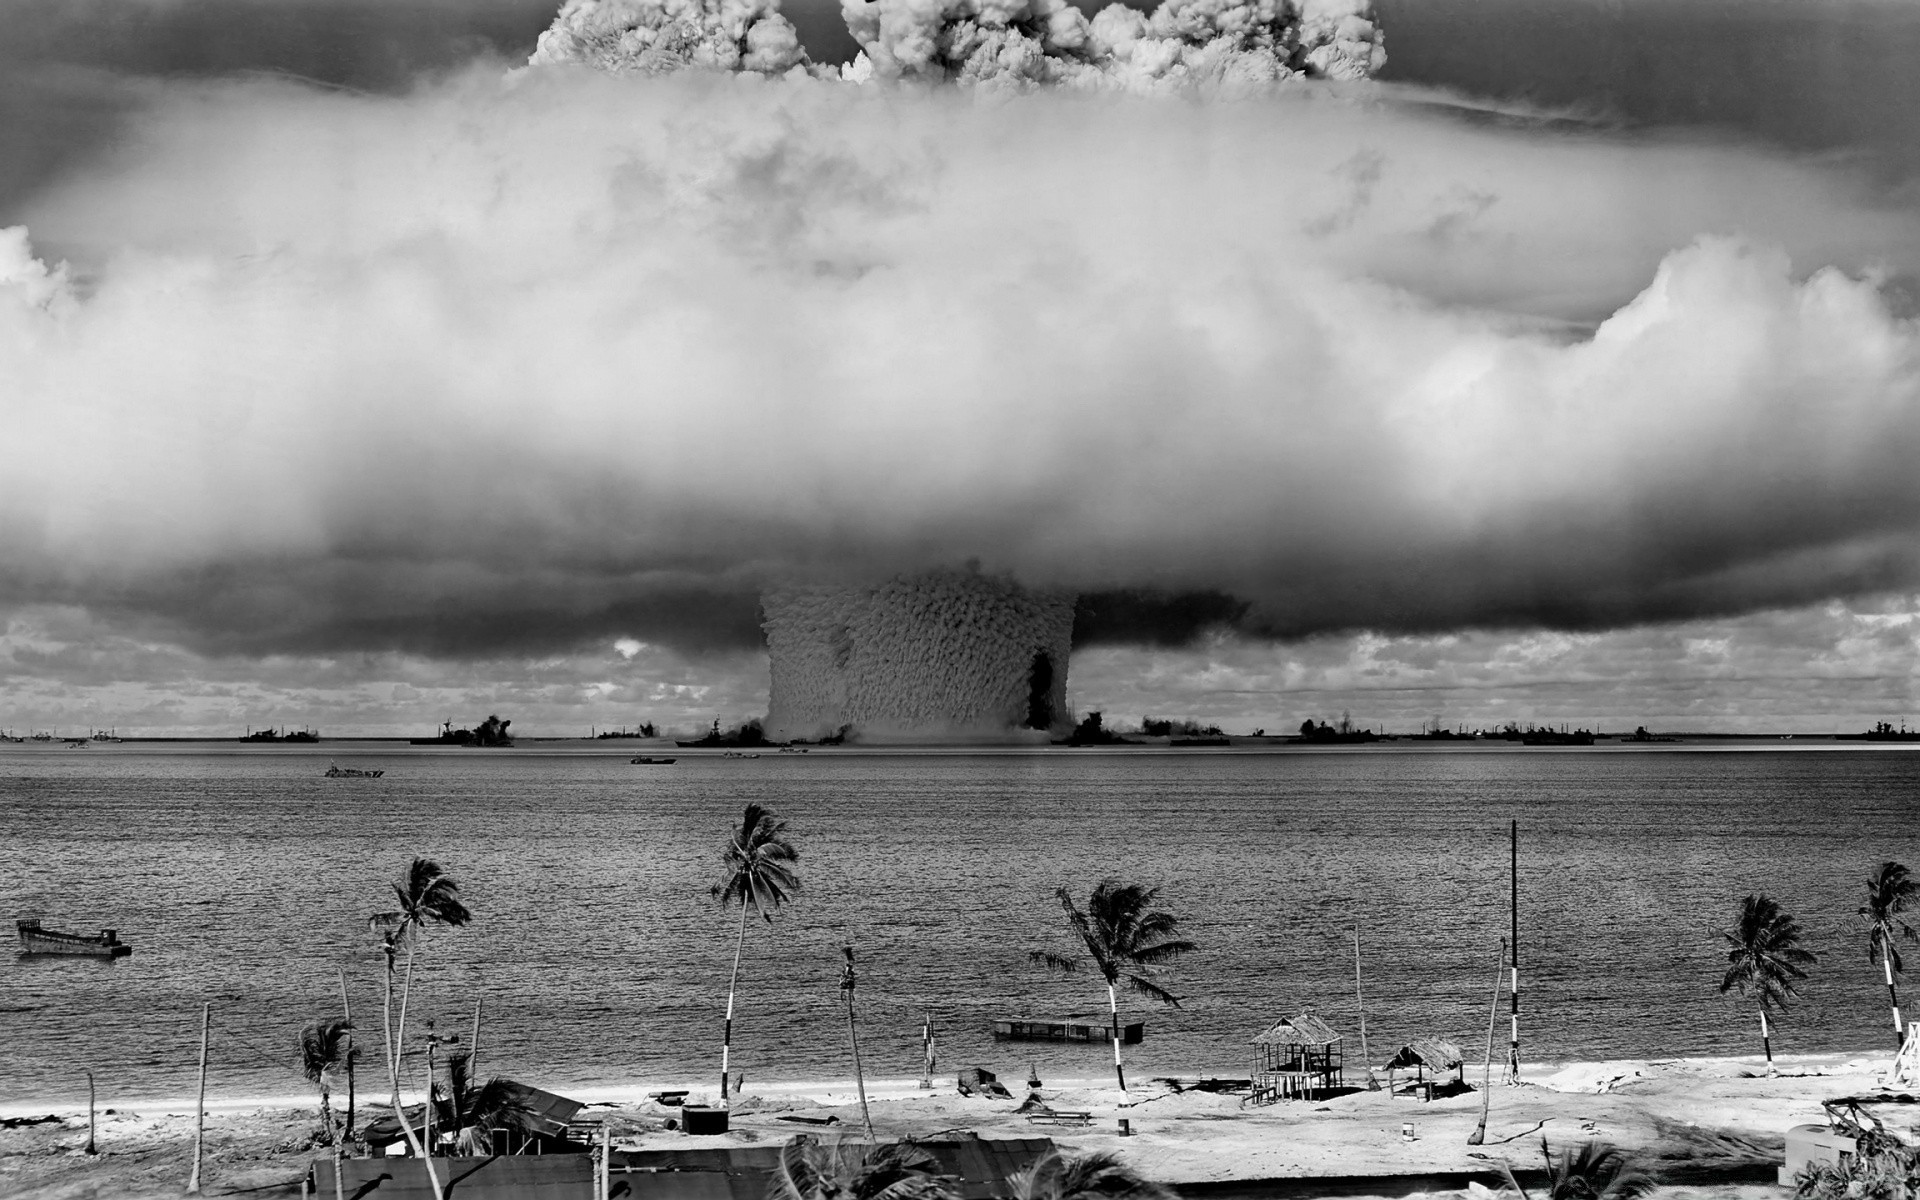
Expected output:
(492, 732)
(1882, 731)
(35, 940)
(338, 772)
(276, 735)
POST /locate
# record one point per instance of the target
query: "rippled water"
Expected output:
(243, 878)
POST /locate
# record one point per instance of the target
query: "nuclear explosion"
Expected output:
(939, 654)
(1002, 43)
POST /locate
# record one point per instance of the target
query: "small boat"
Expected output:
(737, 754)
(644, 761)
(35, 940)
(1075, 1027)
(334, 772)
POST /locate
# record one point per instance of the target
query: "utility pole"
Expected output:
(1513, 900)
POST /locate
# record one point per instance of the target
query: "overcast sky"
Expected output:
(1567, 374)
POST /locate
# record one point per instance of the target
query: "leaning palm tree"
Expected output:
(1889, 890)
(814, 1170)
(1764, 959)
(325, 1048)
(1121, 930)
(427, 896)
(1096, 1176)
(758, 874)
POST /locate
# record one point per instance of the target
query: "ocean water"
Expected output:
(243, 877)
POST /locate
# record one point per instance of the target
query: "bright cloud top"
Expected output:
(1183, 44)
(582, 355)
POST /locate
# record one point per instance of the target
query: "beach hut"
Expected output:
(1427, 1056)
(1294, 1058)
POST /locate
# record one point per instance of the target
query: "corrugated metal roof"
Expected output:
(1437, 1054)
(1307, 1029)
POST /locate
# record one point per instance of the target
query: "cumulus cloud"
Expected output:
(581, 355)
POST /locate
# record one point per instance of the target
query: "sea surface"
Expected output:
(244, 878)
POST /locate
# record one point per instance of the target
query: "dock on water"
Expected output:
(1075, 1027)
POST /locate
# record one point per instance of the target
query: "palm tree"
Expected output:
(472, 1111)
(1121, 929)
(427, 896)
(1097, 1176)
(325, 1047)
(759, 875)
(1596, 1171)
(814, 1170)
(1763, 960)
(1889, 890)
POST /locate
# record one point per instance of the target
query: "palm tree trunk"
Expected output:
(859, 1076)
(1113, 1006)
(726, 1038)
(1899, 1034)
(1766, 1040)
(346, 1007)
(394, 1048)
(326, 1115)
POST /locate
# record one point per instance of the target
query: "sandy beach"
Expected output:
(1681, 1118)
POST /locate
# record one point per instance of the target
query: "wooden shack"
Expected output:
(1296, 1058)
(1430, 1059)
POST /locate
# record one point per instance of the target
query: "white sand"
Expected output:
(1698, 1111)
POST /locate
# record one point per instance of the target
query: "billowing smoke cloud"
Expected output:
(578, 354)
(659, 36)
(1233, 43)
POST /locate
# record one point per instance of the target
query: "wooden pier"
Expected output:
(1077, 1027)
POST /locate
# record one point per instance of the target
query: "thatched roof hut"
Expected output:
(1307, 1029)
(1296, 1057)
(1427, 1054)
(1430, 1059)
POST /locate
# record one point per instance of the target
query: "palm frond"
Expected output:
(758, 864)
(1763, 958)
(323, 1048)
(1058, 962)
(1120, 928)
(809, 1169)
(1100, 1175)
(1154, 955)
(1595, 1171)
(1146, 987)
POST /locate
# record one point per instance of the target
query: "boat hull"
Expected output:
(35, 940)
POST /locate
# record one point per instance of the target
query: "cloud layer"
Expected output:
(517, 364)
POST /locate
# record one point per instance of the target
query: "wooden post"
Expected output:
(926, 1052)
(200, 1106)
(90, 1147)
(606, 1159)
(473, 1053)
(1479, 1134)
(1373, 1085)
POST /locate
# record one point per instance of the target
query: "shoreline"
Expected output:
(1717, 1122)
(832, 1092)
